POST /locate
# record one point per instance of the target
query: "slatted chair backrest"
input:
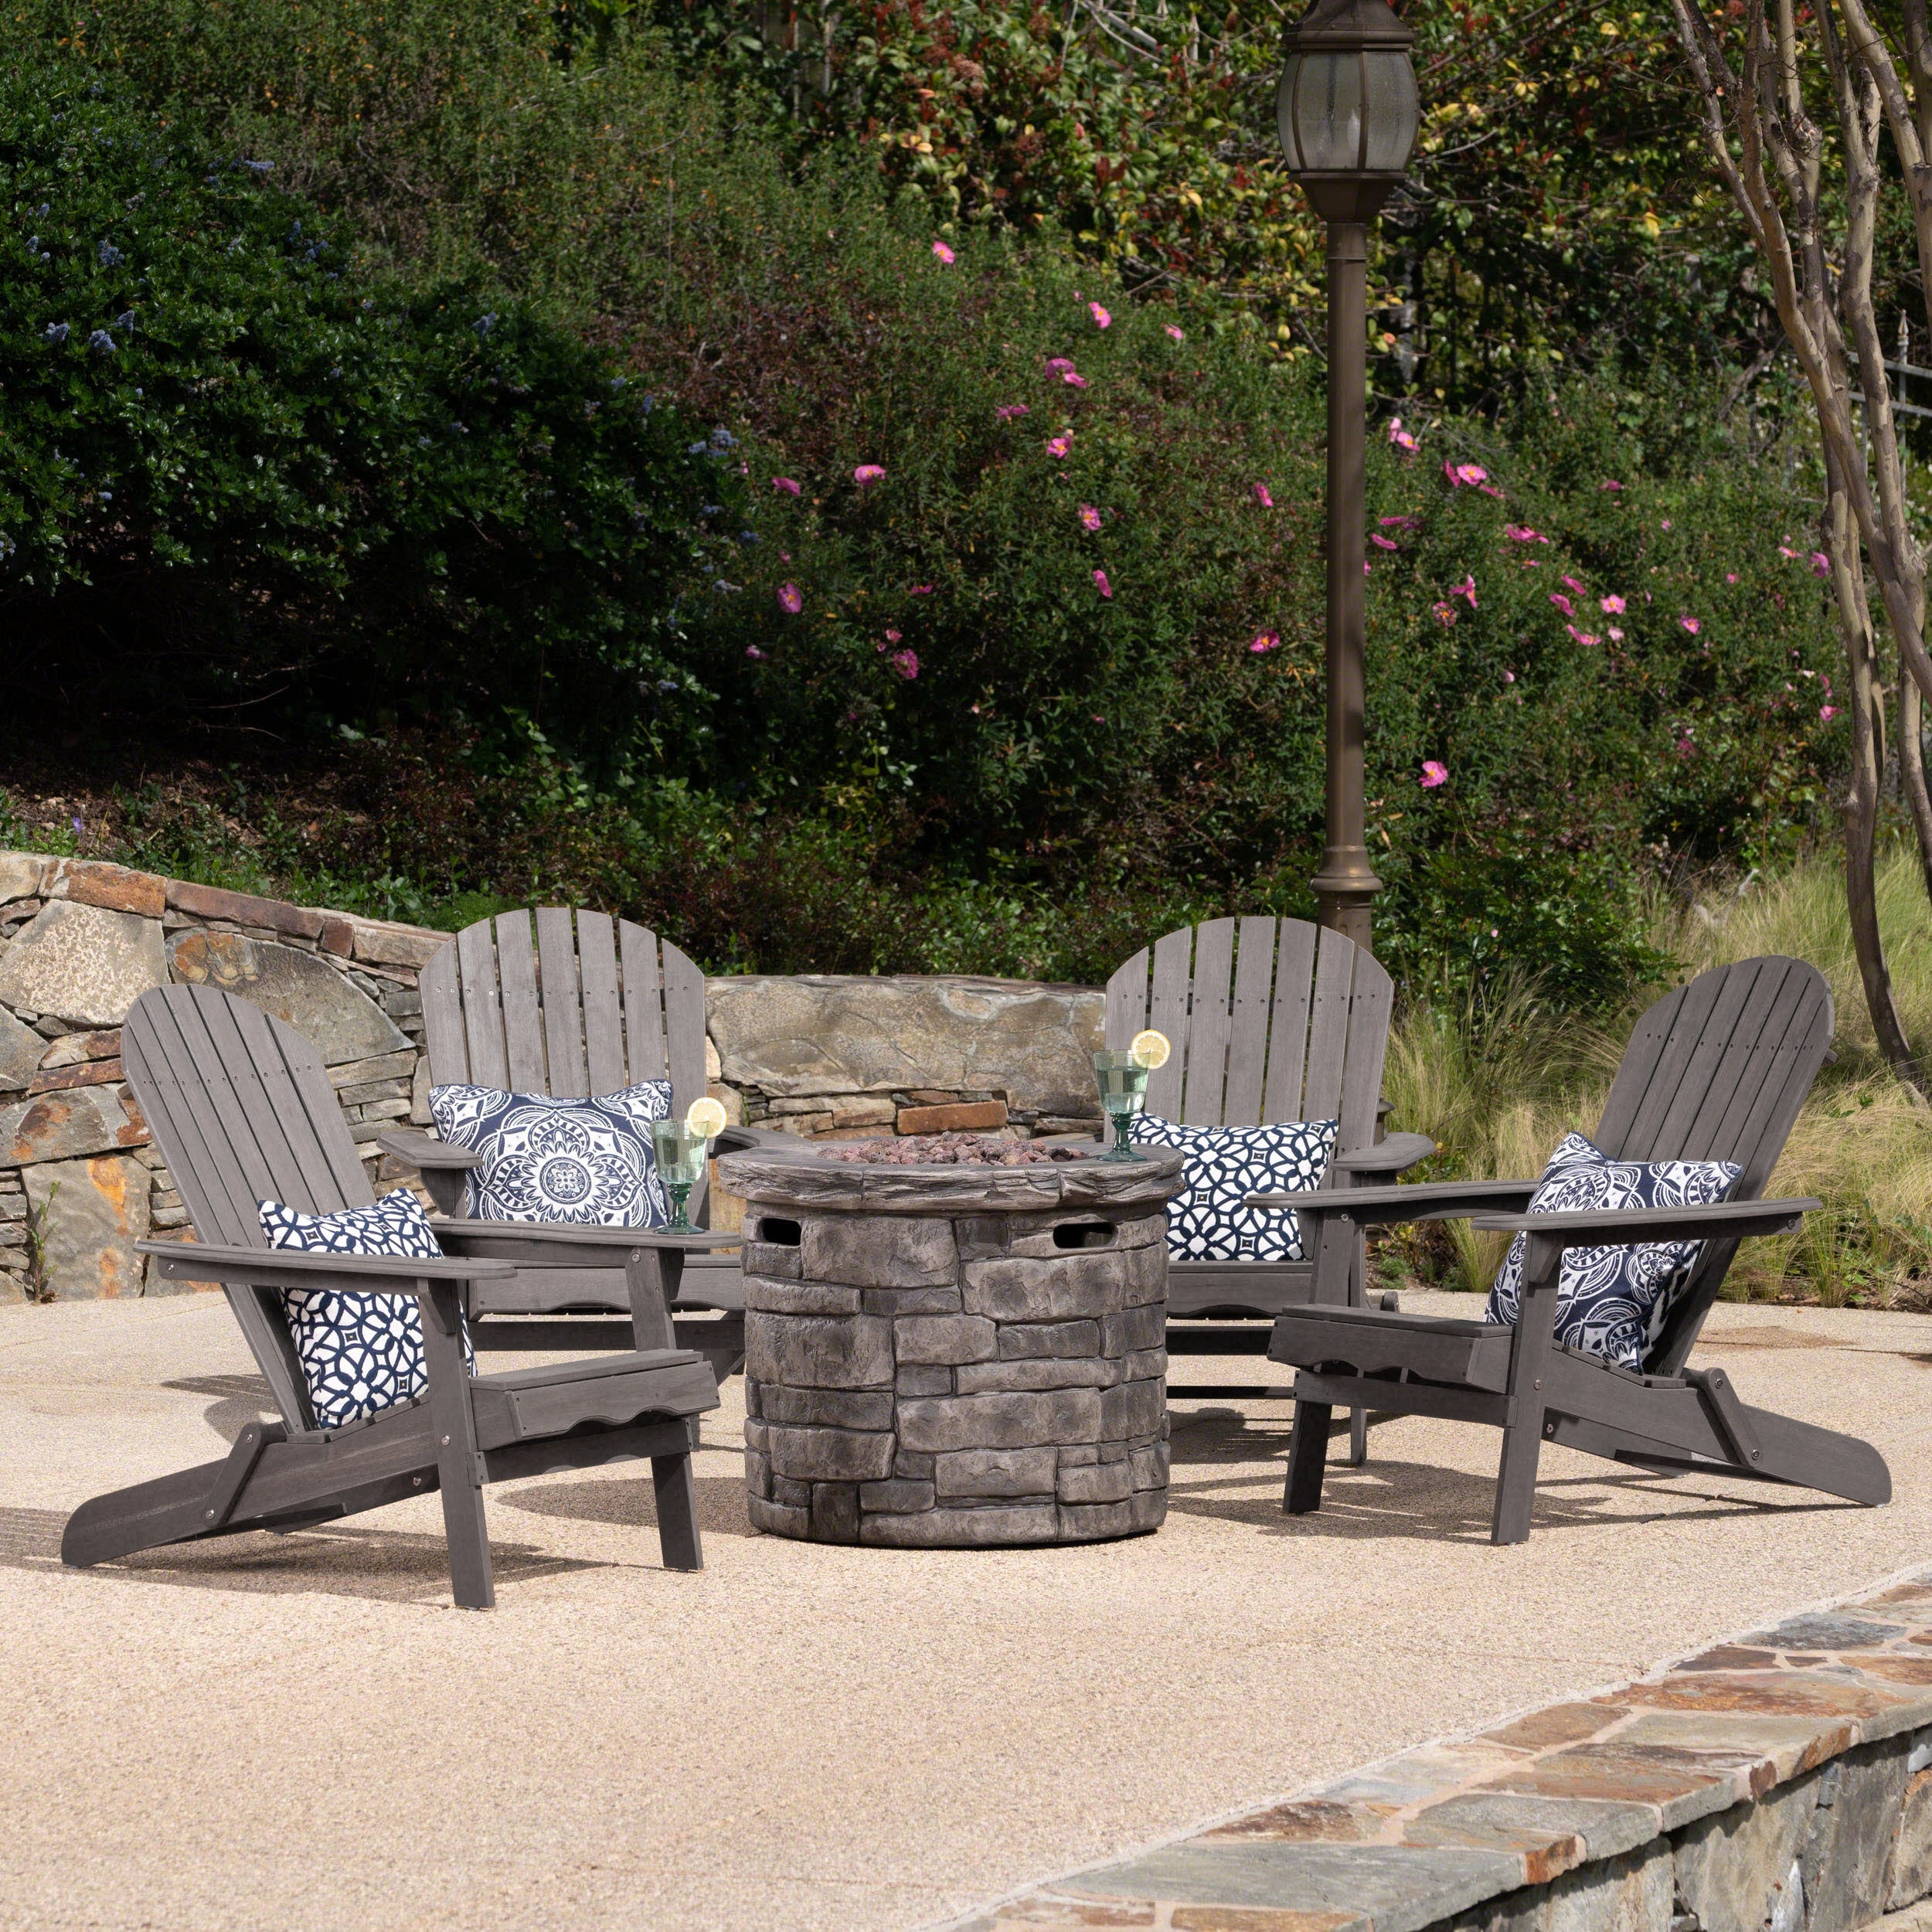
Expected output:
(595, 1004)
(242, 1111)
(1270, 1019)
(1717, 1071)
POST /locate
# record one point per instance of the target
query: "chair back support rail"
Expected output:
(236, 1100)
(1270, 1019)
(1717, 1070)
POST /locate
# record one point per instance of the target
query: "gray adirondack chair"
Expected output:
(595, 1004)
(1270, 1020)
(1716, 1070)
(240, 1107)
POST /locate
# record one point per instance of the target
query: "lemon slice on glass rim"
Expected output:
(706, 1116)
(1150, 1048)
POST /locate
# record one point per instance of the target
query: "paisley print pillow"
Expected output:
(1612, 1302)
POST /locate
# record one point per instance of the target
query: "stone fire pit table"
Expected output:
(947, 1356)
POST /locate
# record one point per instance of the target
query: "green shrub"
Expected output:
(238, 477)
(1064, 763)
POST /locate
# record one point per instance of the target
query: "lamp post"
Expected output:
(1347, 111)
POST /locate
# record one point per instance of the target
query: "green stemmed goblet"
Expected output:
(1122, 1083)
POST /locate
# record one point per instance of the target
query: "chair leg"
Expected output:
(1522, 1436)
(1358, 1437)
(677, 1513)
(457, 1473)
(1308, 1459)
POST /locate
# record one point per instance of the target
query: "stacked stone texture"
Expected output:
(957, 1375)
(81, 939)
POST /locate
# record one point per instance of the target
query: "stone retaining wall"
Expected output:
(80, 940)
(1780, 1784)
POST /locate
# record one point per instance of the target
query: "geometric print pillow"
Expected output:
(1222, 1166)
(587, 1161)
(360, 1353)
(1613, 1301)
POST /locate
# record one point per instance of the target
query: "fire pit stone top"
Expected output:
(952, 1150)
(810, 1177)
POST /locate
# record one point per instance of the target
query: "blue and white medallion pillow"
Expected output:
(1613, 1301)
(587, 1161)
(1223, 1165)
(360, 1353)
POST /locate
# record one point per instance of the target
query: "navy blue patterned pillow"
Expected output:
(360, 1353)
(1225, 1164)
(1613, 1301)
(587, 1161)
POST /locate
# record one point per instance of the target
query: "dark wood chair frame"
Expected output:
(1271, 1020)
(241, 1109)
(590, 1005)
(1715, 1070)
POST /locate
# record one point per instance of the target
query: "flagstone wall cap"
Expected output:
(1411, 1842)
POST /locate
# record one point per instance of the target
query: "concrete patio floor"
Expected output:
(300, 1732)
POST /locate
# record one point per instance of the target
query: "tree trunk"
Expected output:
(1862, 795)
(1912, 771)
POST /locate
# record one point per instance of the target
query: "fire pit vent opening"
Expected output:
(955, 1355)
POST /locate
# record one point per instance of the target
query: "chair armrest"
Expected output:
(1396, 1155)
(292, 1268)
(1429, 1201)
(551, 1245)
(420, 1150)
(1617, 1227)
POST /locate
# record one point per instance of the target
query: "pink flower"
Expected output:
(1059, 365)
(1264, 641)
(1821, 564)
(1615, 636)
(1571, 583)
(1434, 773)
(921, 591)
(1685, 746)
(867, 475)
(1730, 576)
(892, 637)
(1400, 436)
(1465, 473)
(1509, 677)
(1522, 533)
(1090, 517)
(1382, 542)
(1101, 318)
(1693, 625)
(1262, 497)
(1613, 604)
(907, 664)
(1785, 550)
(1073, 379)
(1828, 712)
(1581, 637)
(1101, 584)
(1060, 445)
(1445, 611)
(1007, 411)
(1467, 588)
(1397, 523)
(1175, 333)
(1667, 523)
(786, 483)
(1563, 604)
(1611, 483)
(944, 253)
(752, 650)
(790, 598)
(1366, 566)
